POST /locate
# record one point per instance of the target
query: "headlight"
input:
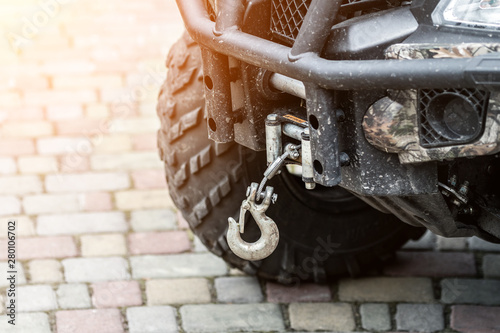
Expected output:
(478, 14)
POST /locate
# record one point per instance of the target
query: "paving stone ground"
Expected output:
(100, 246)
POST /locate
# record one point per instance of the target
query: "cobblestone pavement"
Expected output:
(100, 247)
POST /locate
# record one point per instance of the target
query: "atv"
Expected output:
(305, 139)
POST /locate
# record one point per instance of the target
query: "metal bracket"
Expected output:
(324, 135)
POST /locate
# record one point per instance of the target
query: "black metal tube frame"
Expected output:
(316, 27)
(339, 75)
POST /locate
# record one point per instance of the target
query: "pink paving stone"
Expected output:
(306, 292)
(181, 221)
(73, 162)
(116, 294)
(87, 321)
(144, 142)
(433, 264)
(10, 147)
(475, 319)
(27, 113)
(148, 179)
(41, 248)
(104, 66)
(158, 242)
(81, 126)
(31, 82)
(97, 202)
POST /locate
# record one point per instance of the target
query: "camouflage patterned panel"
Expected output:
(487, 144)
(429, 51)
(391, 125)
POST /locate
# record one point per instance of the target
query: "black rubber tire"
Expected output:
(325, 232)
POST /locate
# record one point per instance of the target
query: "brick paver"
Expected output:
(383, 289)
(475, 319)
(15, 147)
(238, 289)
(153, 220)
(432, 264)
(9, 205)
(100, 246)
(95, 269)
(159, 242)
(116, 294)
(73, 296)
(42, 247)
(103, 181)
(491, 266)
(20, 185)
(50, 203)
(144, 141)
(36, 298)
(144, 179)
(96, 201)
(7, 165)
(57, 112)
(198, 246)
(231, 317)
(142, 199)
(470, 291)
(62, 146)
(37, 164)
(183, 224)
(152, 319)
(57, 224)
(24, 226)
(336, 317)
(305, 292)
(375, 316)
(126, 161)
(420, 317)
(26, 323)
(29, 129)
(83, 321)
(21, 277)
(177, 291)
(103, 245)
(45, 271)
(178, 265)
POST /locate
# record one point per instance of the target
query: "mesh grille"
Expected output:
(430, 135)
(287, 17)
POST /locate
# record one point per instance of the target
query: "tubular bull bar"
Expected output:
(306, 65)
(302, 62)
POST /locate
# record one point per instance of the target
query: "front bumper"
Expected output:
(332, 74)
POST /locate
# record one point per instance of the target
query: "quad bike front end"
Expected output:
(359, 115)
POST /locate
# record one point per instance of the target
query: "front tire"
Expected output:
(325, 232)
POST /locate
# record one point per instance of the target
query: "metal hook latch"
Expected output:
(269, 237)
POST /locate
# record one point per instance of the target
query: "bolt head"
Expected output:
(272, 117)
(344, 159)
(310, 186)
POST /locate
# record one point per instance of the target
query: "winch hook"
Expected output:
(269, 237)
